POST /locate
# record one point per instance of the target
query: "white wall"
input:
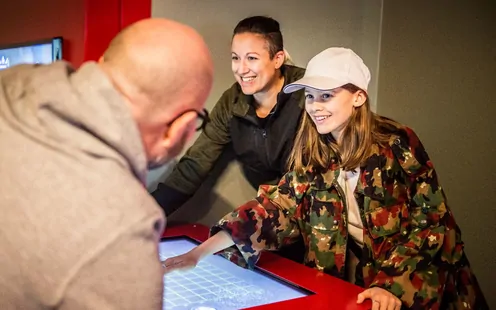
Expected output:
(308, 27)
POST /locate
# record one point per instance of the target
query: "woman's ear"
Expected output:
(359, 98)
(279, 59)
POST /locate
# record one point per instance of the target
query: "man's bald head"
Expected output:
(163, 69)
(162, 60)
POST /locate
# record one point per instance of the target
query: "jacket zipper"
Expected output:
(264, 135)
(257, 130)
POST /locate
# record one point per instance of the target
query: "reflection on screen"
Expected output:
(35, 53)
(217, 283)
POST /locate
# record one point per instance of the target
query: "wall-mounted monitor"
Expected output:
(37, 52)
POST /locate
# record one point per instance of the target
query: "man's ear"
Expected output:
(100, 60)
(359, 99)
(175, 133)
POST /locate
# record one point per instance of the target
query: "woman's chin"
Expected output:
(322, 130)
(248, 89)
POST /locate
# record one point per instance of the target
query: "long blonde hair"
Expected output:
(364, 128)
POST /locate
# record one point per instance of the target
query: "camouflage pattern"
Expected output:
(412, 245)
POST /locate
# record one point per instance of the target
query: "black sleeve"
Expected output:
(169, 198)
(196, 164)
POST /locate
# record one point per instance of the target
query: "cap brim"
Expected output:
(316, 82)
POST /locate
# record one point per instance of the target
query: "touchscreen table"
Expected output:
(219, 284)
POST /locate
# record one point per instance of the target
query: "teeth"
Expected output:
(321, 118)
(247, 79)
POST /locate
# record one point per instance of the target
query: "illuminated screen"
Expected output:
(219, 284)
(44, 52)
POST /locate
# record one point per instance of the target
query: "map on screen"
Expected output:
(219, 284)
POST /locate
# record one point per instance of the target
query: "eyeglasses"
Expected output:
(201, 118)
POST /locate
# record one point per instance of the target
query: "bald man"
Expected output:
(69, 141)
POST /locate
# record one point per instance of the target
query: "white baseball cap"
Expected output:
(332, 68)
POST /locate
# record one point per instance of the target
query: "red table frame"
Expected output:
(329, 292)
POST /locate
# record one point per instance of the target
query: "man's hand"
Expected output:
(182, 262)
(381, 299)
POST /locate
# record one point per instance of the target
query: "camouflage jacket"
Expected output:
(412, 245)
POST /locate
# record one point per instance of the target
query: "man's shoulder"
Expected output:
(28, 71)
(68, 218)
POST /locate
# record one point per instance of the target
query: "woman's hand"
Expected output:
(381, 299)
(181, 262)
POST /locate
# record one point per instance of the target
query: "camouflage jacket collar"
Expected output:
(370, 171)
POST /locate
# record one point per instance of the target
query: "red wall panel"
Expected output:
(87, 26)
(31, 20)
(102, 20)
(134, 10)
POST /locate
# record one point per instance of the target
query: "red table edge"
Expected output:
(343, 296)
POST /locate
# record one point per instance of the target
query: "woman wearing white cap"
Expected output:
(364, 195)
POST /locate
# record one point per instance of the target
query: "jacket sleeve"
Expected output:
(265, 223)
(409, 272)
(195, 165)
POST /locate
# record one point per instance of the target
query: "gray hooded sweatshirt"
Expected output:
(78, 229)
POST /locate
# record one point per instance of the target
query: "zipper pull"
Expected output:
(264, 133)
